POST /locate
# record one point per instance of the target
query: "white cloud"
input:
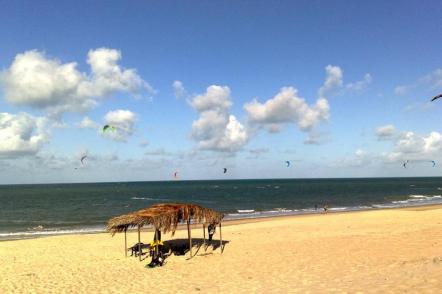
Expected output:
(409, 142)
(178, 89)
(287, 107)
(316, 138)
(333, 80)
(88, 123)
(35, 80)
(52, 161)
(412, 146)
(123, 121)
(216, 98)
(431, 81)
(405, 146)
(385, 132)
(420, 106)
(216, 129)
(21, 134)
(359, 86)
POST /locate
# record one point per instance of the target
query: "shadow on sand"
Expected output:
(181, 246)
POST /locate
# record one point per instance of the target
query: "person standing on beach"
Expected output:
(211, 230)
(325, 208)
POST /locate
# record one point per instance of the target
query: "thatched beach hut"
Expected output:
(165, 217)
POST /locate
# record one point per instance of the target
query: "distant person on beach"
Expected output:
(316, 206)
(325, 208)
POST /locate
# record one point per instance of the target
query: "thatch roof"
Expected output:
(164, 216)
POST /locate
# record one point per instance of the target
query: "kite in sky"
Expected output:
(288, 163)
(225, 170)
(109, 128)
(436, 97)
(83, 158)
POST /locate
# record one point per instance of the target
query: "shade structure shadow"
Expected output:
(181, 246)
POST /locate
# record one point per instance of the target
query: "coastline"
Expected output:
(34, 212)
(229, 221)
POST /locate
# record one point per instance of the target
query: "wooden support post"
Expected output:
(190, 237)
(220, 238)
(204, 236)
(157, 238)
(125, 242)
(139, 244)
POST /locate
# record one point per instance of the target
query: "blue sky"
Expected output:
(364, 75)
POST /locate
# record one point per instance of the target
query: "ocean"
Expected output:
(28, 211)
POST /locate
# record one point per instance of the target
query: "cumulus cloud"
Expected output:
(124, 123)
(412, 143)
(21, 134)
(88, 123)
(385, 132)
(216, 129)
(407, 146)
(412, 146)
(36, 80)
(178, 89)
(334, 82)
(287, 107)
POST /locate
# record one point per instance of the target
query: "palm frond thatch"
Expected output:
(164, 217)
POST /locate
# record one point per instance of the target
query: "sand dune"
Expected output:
(384, 251)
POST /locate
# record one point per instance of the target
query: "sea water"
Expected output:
(49, 209)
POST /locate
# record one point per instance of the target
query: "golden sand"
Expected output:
(383, 251)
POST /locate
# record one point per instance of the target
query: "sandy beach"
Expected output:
(383, 251)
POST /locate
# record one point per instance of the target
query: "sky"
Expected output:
(337, 88)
